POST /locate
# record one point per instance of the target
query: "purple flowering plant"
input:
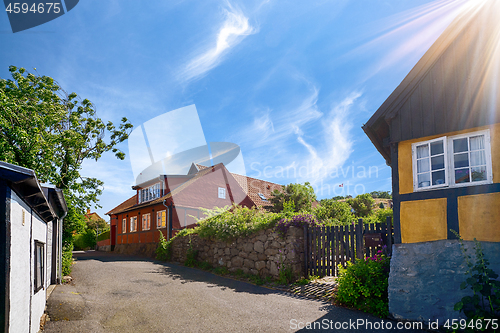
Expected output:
(299, 220)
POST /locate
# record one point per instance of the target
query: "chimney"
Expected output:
(88, 211)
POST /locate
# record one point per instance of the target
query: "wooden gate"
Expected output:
(328, 247)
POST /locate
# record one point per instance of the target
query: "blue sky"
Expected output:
(290, 82)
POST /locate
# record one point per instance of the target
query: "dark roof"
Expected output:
(47, 201)
(450, 88)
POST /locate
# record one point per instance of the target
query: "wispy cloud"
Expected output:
(233, 30)
(337, 142)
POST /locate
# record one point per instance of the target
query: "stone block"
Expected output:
(254, 271)
(237, 262)
(248, 263)
(227, 251)
(253, 256)
(243, 254)
(258, 247)
(274, 269)
(234, 252)
(271, 252)
(260, 265)
(248, 247)
(261, 256)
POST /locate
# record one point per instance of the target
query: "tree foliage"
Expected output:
(362, 204)
(302, 196)
(334, 212)
(52, 132)
(44, 128)
(381, 195)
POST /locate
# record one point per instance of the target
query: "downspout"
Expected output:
(60, 229)
(169, 210)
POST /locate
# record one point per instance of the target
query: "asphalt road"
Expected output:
(116, 293)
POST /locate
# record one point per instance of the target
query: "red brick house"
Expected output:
(170, 203)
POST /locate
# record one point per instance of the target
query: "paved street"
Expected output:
(115, 293)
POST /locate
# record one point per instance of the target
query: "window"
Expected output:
(263, 197)
(133, 224)
(460, 160)
(222, 193)
(146, 221)
(429, 162)
(39, 265)
(161, 219)
(124, 225)
(150, 193)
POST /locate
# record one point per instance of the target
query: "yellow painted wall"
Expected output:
(405, 162)
(479, 217)
(423, 220)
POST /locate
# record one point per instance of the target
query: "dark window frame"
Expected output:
(38, 276)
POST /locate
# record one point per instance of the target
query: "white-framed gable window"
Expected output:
(149, 193)
(460, 160)
(222, 193)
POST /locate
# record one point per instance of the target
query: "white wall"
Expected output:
(22, 268)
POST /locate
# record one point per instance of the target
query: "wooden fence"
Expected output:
(328, 247)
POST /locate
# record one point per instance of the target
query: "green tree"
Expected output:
(302, 196)
(52, 132)
(381, 195)
(362, 204)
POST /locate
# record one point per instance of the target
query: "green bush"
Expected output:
(164, 249)
(85, 240)
(237, 222)
(482, 281)
(103, 236)
(363, 285)
(67, 259)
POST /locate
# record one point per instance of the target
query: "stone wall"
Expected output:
(259, 254)
(425, 278)
(143, 249)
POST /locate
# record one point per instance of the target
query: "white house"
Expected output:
(30, 246)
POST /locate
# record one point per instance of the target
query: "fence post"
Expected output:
(359, 240)
(306, 252)
(389, 235)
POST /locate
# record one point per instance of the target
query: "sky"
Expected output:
(289, 82)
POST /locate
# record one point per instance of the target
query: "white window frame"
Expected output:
(150, 193)
(124, 225)
(158, 219)
(414, 163)
(133, 224)
(449, 161)
(487, 150)
(146, 221)
(222, 193)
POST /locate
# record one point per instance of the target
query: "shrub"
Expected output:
(382, 214)
(363, 285)
(67, 259)
(85, 240)
(485, 300)
(164, 249)
(238, 222)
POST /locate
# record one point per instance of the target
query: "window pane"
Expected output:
(462, 176)
(423, 151)
(437, 162)
(460, 145)
(477, 158)
(461, 160)
(477, 142)
(437, 148)
(424, 180)
(479, 173)
(423, 165)
(438, 177)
